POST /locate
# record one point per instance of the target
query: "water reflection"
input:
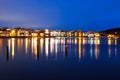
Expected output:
(1, 44)
(13, 48)
(46, 46)
(26, 45)
(52, 42)
(59, 47)
(7, 54)
(97, 43)
(79, 48)
(41, 45)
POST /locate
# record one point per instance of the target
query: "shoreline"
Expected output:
(57, 37)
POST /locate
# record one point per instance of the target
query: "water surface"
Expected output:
(59, 58)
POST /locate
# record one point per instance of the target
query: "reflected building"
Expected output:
(115, 46)
(97, 43)
(116, 51)
(52, 42)
(13, 48)
(26, 45)
(57, 41)
(52, 46)
(9, 45)
(79, 43)
(34, 47)
(66, 48)
(115, 41)
(91, 42)
(63, 42)
(1, 45)
(19, 45)
(47, 46)
(109, 41)
(75, 45)
(7, 53)
(42, 45)
(109, 46)
(84, 42)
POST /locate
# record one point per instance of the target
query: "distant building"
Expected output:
(47, 33)
(76, 34)
(92, 34)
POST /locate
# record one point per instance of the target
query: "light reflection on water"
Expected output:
(56, 58)
(60, 47)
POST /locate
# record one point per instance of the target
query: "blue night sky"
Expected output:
(61, 14)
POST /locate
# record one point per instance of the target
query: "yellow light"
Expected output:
(97, 35)
(34, 34)
(41, 34)
(12, 33)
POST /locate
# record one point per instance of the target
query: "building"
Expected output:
(76, 33)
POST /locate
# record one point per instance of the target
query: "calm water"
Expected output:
(59, 58)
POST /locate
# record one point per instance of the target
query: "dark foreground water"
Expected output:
(59, 59)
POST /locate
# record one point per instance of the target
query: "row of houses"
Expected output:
(21, 32)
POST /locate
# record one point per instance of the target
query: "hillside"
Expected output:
(115, 31)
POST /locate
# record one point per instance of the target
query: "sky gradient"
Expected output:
(83, 15)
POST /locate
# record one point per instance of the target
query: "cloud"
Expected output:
(12, 18)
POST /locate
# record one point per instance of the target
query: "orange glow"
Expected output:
(1, 44)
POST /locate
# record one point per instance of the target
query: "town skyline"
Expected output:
(59, 14)
(46, 33)
(41, 28)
